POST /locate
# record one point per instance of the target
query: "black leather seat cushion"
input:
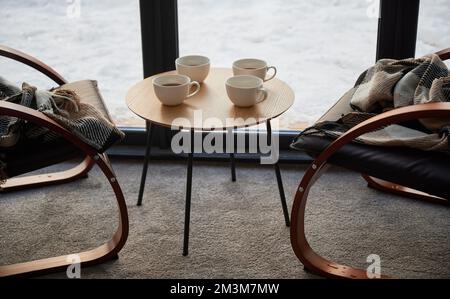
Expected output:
(25, 158)
(424, 171)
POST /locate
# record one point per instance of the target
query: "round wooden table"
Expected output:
(211, 102)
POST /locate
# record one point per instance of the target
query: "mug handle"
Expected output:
(263, 97)
(274, 73)
(196, 90)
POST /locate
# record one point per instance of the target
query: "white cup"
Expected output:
(172, 90)
(255, 67)
(195, 67)
(245, 90)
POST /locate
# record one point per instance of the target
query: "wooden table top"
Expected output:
(213, 102)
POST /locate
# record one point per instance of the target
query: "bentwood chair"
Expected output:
(29, 158)
(399, 170)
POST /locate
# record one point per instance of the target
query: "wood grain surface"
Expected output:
(212, 103)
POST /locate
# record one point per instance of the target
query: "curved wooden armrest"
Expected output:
(33, 62)
(312, 260)
(37, 117)
(429, 110)
(444, 54)
(100, 254)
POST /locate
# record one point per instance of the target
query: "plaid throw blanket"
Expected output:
(64, 107)
(392, 84)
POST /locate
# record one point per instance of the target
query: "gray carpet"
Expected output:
(237, 229)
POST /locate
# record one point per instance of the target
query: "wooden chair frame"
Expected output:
(312, 261)
(104, 252)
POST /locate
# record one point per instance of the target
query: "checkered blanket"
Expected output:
(64, 107)
(392, 84)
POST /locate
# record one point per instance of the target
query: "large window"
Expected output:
(319, 47)
(81, 39)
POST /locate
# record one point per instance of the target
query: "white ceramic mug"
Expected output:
(195, 67)
(172, 90)
(255, 67)
(245, 90)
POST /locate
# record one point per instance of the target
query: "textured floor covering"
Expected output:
(237, 229)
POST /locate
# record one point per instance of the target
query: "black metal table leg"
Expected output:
(279, 179)
(230, 141)
(282, 195)
(148, 127)
(187, 215)
(233, 168)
